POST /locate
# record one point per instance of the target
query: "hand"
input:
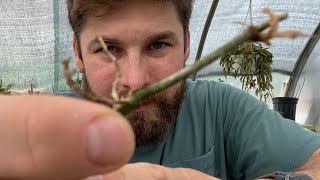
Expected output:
(148, 171)
(50, 137)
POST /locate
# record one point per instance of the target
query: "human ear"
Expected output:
(187, 45)
(78, 58)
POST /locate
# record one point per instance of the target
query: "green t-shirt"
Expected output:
(227, 133)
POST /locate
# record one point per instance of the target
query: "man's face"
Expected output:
(148, 41)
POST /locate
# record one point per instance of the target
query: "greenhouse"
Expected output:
(36, 36)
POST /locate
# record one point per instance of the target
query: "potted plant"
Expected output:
(286, 106)
(252, 64)
(5, 90)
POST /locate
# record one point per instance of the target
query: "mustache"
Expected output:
(159, 97)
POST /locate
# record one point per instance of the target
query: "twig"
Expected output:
(73, 85)
(252, 33)
(90, 96)
(273, 30)
(114, 93)
(124, 106)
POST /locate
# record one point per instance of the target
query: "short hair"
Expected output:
(79, 10)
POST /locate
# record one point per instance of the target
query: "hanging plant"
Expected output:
(5, 90)
(252, 64)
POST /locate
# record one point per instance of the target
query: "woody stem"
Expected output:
(251, 33)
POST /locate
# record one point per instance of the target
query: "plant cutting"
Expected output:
(126, 104)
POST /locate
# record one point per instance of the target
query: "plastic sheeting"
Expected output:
(308, 108)
(26, 42)
(304, 16)
(34, 37)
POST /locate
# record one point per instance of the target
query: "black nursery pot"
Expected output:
(286, 106)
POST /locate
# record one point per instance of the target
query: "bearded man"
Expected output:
(202, 125)
(193, 130)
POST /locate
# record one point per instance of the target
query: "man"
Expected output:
(211, 128)
(206, 126)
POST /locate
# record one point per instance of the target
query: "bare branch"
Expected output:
(114, 93)
(273, 29)
(124, 106)
(252, 33)
(74, 86)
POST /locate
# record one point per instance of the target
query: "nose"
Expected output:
(135, 74)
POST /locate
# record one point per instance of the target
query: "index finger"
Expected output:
(149, 171)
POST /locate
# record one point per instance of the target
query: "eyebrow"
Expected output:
(95, 43)
(151, 38)
(166, 35)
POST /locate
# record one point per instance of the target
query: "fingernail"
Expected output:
(106, 141)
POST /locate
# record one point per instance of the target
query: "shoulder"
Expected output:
(68, 93)
(211, 96)
(213, 89)
(221, 96)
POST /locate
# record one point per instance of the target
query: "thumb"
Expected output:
(49, 137)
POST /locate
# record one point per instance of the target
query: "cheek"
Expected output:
(100, 77)
(165, 67)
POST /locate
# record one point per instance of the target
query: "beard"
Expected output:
(152, 126)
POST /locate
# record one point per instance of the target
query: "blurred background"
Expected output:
(35, 36)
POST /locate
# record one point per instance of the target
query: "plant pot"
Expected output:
(286, 106)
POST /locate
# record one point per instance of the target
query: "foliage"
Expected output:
(5, 90)
(79, 80)
(252, 63)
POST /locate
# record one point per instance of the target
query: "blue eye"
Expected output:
(158, 45)
(112, 49)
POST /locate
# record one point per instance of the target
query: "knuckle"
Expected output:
(185, 173)
(155, 171)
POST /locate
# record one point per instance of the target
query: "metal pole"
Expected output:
(205, 32)
(293, 80)
(56, 17)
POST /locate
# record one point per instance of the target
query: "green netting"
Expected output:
(34, 38)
